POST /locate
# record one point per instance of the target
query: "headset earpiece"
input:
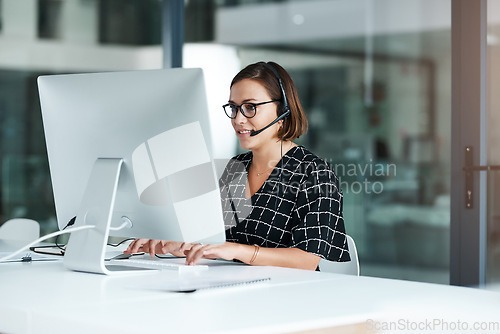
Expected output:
(285, 110)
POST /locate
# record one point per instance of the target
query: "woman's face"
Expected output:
(251, 91)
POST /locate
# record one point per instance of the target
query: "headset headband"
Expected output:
(286, 107)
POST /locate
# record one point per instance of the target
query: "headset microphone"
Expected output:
(286, 108)
(279, 118)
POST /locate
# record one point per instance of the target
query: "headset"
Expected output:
(281, 115)
(286, 107)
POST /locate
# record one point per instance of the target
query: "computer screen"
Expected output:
(137, 144)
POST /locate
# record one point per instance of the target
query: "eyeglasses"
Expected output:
(247, 109)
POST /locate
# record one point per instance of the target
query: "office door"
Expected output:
(475, 214)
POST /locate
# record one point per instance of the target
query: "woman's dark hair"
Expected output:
(295, 124)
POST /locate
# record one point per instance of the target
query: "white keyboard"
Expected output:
(156, 263)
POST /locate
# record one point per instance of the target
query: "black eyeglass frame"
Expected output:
(241, 109)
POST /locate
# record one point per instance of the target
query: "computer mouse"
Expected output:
(121, 256)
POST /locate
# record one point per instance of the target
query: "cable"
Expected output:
(70, 223)
(48, 236)
(121, 242)
(123, 225)
(281, 173)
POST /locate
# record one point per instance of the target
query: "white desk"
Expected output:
(44, 297)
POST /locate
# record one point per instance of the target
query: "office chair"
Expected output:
(347, 268)
(20, 229)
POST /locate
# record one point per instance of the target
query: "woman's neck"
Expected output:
(268, 156)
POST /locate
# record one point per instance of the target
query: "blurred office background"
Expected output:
(374, 77)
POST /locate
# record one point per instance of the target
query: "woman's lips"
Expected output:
(243, 132)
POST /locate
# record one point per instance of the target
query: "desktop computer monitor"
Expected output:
(130, 149)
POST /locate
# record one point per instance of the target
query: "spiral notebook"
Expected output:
(193, 286)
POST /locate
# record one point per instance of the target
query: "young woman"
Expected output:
(282, 204)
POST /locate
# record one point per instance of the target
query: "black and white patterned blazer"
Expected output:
(299, 205)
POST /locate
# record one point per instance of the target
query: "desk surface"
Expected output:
(44, 297)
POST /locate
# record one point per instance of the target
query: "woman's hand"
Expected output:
(254, 255)
(154, 247)
(260, 256)
(226, 251)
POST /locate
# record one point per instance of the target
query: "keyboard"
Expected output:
(145, 262)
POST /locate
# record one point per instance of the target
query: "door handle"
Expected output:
(469, 177)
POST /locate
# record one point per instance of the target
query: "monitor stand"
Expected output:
(86, 249)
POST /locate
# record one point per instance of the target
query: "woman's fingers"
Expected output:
(194, 254)
(172, 247)
(199, 251)
(177, 248)
(135, 246)
(185, 246)
(150, 246)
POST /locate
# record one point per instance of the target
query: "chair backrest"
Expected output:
(20, 229)
(348, 268)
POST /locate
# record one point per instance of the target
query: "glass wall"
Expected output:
(374, 79)
(373, 76)
(25, 181)
(40, 37)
